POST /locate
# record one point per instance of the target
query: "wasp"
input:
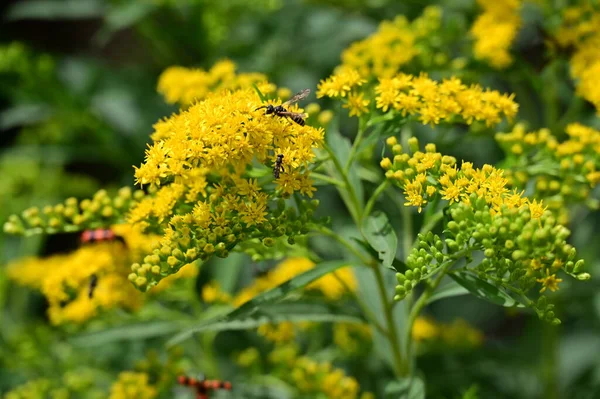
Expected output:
(97, 235)
(280, 110)
(92, 286)
(203, 386)
(278, 167)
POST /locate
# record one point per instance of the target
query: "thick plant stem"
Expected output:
(399, 366)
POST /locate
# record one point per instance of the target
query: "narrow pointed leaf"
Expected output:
(485, 290)
(381, 237)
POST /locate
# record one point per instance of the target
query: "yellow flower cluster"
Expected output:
(456, 334)
(433, 101)
(65, 279)
(495, 30)
(352, 338)
(395, 44)
(278, 333)
(132, 385)
(427, 175)
(581, 29)
(314, 378)
(212, 293)
(443, 101)
(563, 171)
(208, 188)
(333, 286)
(186, 86)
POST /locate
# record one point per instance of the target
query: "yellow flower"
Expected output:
(333, 286)
(495, 30)
(424, 329)
(340, 83)
(357, 104)
(278, 333)
(395, 44)
(212, 293)
(185, 86)
(132, 385)
(550, 281)
(65, 279)
(202, 192)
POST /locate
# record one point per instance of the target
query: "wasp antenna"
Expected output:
(264, 106)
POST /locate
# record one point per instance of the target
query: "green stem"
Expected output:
(378, 191)
(357, 141)
(355, 209)
(364, 307)
(416, 310)
(327, 179)
(348, 245)
(393, 335)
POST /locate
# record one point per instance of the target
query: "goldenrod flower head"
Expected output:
(571, 163)
(279, 333)
(550, 281)
(132, 385)
(495, 30)
(581, 29)
(202, 194)
(424, 329)
(65, 279)
(341, 83)
(395, 44)
(186, 86)
(333, 286)
(212, 293)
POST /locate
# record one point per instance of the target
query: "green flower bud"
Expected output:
(140, 281)
(400, 278)
(409, 275)
(155, 269)
(191, 254)
(583, 276)
(578, 266)
(268, 242)
(209, 249)
(132, 277)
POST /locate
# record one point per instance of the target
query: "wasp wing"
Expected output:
(297, 97)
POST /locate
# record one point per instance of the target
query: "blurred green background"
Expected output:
(77, 104)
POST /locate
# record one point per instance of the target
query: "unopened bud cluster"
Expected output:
(74, 215)
(424, 260)
(184, 242)
(569, 167)
(519, 253)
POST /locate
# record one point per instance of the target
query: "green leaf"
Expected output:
(449, 290)
(123, 15)
(381, 236)
(275, 313)
(397, 264)
(128, 332)
(341, 147)
(56, 9)
(23, 115)
(262, 97)
(485, 290)
(281, 291)
(406, 388)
